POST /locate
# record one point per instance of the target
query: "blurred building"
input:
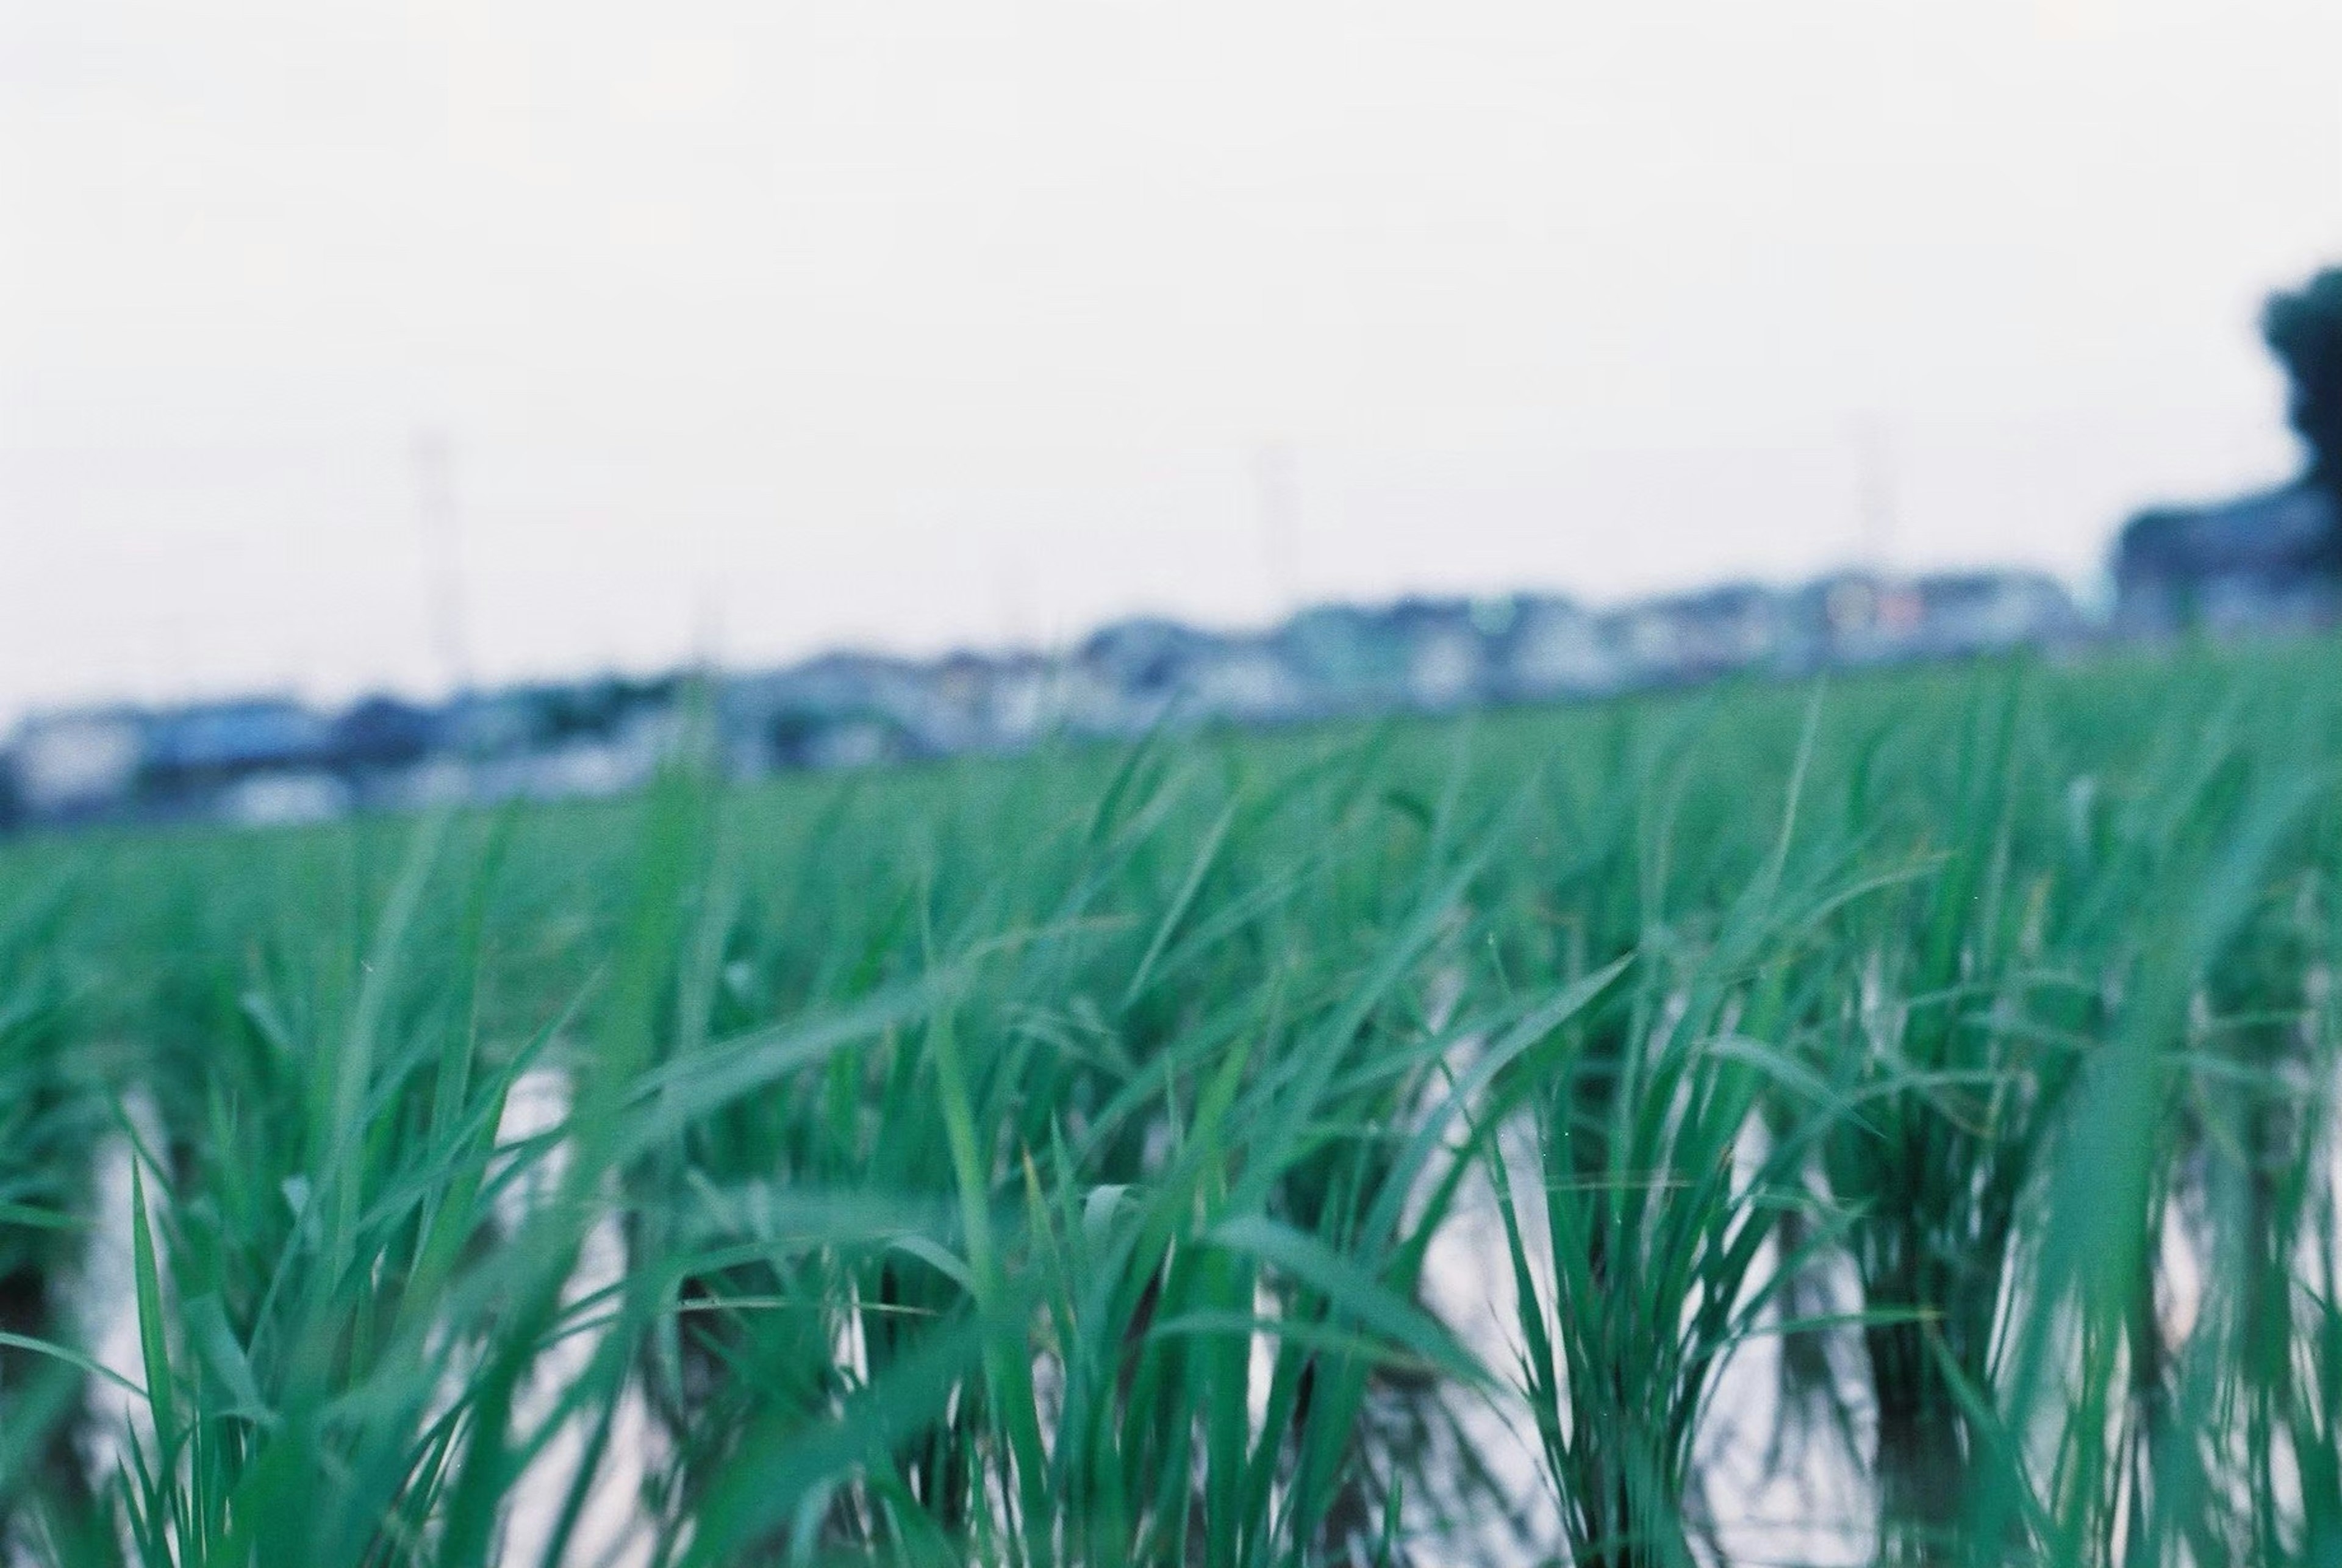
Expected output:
(193, 757)
(2271, 560)
(69, 766)
(1542, 647)
(1853, 619)
(274, 760)
(1699, 636)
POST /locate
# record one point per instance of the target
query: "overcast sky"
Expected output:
(755, 326)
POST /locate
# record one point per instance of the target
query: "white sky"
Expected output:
(758, 326)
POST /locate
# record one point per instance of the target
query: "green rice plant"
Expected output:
(2103, 1437)
(51, 1108)
(1657, 1206)
(1140, 1187)
(1038, 1162)
(2221, 1458)
(2309, 1412)
(1953, 1032)
(296, 1278)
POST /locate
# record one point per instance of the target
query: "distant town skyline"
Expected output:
(752, 330)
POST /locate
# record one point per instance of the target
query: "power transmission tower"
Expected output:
(1876, 497)
(442, 554)
(1278, 495)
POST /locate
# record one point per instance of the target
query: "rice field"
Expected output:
(1891, 1123)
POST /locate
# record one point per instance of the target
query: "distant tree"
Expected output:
(2303, 330)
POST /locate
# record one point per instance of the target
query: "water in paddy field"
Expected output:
(613, 1530)
(105, 1299)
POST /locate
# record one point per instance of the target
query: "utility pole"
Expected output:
(1876, 498)
(442, 554)
(1277, 493)
(1016, 621)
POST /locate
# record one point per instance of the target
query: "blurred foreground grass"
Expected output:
(1064, 1161)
